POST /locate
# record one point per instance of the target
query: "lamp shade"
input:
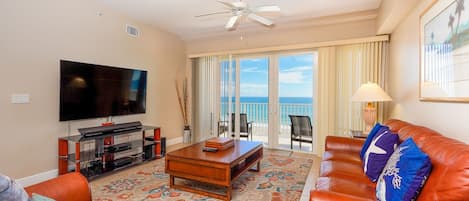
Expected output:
(370, 92)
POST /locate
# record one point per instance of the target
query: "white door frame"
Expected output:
(274, 126)
(274, 114)
(273, 93)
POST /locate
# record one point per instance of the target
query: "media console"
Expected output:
(100, 150)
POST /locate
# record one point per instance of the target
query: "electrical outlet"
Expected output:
(20, 98)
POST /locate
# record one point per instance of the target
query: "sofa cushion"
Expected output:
(320, 195)
(10, 190)
(378, 153)
(370, 137)
(345, 170)
(405, 173)
(341, 156)
(341, 185)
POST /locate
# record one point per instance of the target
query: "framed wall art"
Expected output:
(444, 51)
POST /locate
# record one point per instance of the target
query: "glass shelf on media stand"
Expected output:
(98, 155)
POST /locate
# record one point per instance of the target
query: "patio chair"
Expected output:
(301, 129)
(245, 127)
(222, 128)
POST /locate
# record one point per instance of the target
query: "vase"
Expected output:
(187, 136)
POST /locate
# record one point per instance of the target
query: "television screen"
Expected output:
(92, 91)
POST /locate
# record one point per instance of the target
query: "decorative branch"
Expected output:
(183, 101)
(185, 95)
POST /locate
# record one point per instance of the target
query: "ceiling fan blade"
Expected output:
(260, 19)
(267, 9)
(232, 22)
(215, 13)
(230, 5)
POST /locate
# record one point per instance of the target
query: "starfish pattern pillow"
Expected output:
(370, 137)
(405, 173)
(377, 155)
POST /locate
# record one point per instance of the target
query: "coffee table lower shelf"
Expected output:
(213, 173)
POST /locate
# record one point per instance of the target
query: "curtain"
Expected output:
(326, 95)
(206, 93)
(341, 71)
(358, 64)
(227, 82)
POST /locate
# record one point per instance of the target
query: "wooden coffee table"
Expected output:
(217, 168)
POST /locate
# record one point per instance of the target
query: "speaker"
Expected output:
(163, 146)
(149, 149)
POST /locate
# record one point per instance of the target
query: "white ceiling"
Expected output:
(177, 16)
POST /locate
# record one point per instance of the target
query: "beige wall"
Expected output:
(391, 12)
(299, 35)
(35, 35)
(448, 118)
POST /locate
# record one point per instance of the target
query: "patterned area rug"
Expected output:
(282, 177)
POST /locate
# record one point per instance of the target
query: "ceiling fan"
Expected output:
(240, 9)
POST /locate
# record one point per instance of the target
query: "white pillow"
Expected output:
(10, 190)
(37, 197)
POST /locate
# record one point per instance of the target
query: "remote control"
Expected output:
(210, 149)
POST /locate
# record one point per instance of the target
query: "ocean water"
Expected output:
(256, 108)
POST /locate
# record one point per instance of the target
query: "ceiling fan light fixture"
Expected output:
(239, 4)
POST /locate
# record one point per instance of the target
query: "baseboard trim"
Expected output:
(37, 178)
(174, 141)
(44, 176)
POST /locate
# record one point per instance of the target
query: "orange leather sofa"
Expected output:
(68, 187)
(342, 178)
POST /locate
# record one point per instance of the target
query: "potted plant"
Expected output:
(183, 98)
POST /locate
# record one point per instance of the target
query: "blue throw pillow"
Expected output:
(370, 137)
(404, 174)
(376, 156)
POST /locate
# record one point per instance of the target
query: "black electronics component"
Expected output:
(118, 147)
(101, 130)
(121, 162)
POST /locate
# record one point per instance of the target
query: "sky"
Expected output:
(295, 76)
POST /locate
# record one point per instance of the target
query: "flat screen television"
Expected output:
(93, 91)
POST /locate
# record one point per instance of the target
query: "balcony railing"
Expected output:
(258, 113)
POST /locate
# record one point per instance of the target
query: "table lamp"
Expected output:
(370, 92)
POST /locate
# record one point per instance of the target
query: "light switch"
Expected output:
(19, 98)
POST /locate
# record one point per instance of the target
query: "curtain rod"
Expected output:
(293, 47)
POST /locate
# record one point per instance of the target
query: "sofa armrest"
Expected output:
(335, 143)
(68, 187)
(316, 195)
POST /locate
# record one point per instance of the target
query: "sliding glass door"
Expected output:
(254, 97)
(295, 101)
(259, 93)
(244, 98)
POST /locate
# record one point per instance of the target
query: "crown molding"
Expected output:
(283, 24)
(303, 46)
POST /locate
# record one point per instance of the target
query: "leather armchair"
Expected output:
(68, 187)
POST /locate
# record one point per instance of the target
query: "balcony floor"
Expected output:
(260, 134)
